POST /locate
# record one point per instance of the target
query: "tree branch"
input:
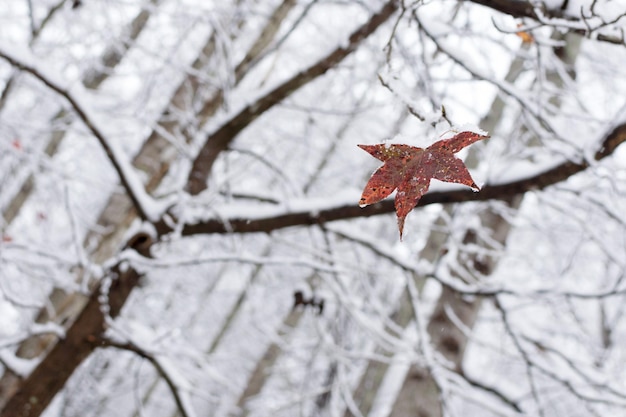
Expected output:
(92, 79)
(489, 192)
(179, 398)
(130, 182)
(220, 139)
(512, 8)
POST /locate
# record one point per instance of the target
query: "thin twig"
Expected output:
(131, 347)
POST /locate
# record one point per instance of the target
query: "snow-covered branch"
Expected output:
(322, 211)
(590, 391)
(131, 182)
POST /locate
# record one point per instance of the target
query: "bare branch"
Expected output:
(181, 403)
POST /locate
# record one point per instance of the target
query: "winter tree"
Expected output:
(181, 230)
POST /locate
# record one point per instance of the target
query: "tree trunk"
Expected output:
(65, 306)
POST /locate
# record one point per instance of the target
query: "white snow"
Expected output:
(20, 366)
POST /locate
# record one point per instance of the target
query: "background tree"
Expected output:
(180, 224)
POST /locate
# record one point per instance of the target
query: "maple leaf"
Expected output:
(410, 169)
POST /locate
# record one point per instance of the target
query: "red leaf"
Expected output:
(410, 169)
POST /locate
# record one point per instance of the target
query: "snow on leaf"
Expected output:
(409, 170)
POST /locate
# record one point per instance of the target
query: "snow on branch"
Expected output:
(19, 366)
(131, 182)
(321, 211)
